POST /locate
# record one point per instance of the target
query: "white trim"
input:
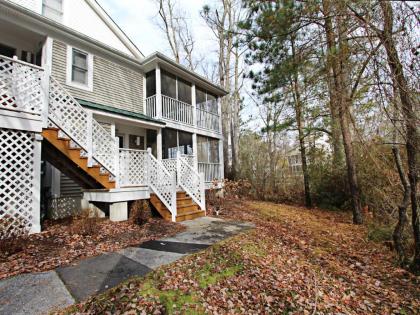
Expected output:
(69, 63)
(20, 121)
(117, 194)
(115, 29)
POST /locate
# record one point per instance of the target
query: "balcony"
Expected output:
(173, 99)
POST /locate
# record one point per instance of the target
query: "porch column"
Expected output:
(159, 144)
(36, 185)
(195, 151)
(194, 105)
(158, 93)
(221, 157)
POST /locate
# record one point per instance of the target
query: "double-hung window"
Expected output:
(79, 69)
(53, 9)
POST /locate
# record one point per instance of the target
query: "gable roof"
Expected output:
(115, 28)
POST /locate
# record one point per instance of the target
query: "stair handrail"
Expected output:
(22, 89)
(81, 127)
(191, 181)
(162, 183)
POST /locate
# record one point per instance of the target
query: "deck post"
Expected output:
(45, 85)
(159, 144)
(158, 93)
(89, 138)
(36, 185)
(117, 162)
(202, 192)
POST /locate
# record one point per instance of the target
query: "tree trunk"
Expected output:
(338, 57)
(337, 143)
(408, 107)
(300, 125)
(402, 209)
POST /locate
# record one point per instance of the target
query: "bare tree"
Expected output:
(175, 24)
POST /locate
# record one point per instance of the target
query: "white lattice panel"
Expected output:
(20, 87)
(189, 159)
(190, 180)
(133, 167)
(16, 182)
(162, 183)
(67, 114)
(170, 165)
(104, 149)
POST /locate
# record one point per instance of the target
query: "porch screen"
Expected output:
(150, 83)
(168, 84)
(207, 150)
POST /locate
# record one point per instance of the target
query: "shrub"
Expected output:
(140, 212)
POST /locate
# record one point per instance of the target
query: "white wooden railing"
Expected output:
(132, 169)
(162, 183)
(22, 86)
(176, 110)
(211, 171)
(208, 120)
(191, 181)
(151, 106)
(77, 123)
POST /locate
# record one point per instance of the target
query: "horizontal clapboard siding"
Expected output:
(68, 188)
(113, 85)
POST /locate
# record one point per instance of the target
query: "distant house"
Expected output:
(103, 124)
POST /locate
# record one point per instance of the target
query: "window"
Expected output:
(174, 141)
(79, 69)
(53, 9)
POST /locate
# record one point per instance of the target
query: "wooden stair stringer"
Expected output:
(73, 154)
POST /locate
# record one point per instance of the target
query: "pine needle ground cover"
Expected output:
(296, 261)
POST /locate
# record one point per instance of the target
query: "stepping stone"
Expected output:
(95, 275)
(174, 247)
(38, 293)
(150, 258)
(208, 230)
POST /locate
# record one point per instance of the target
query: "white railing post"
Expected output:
(194, 104)
(89, 138)
(174, 189)
(202, 192)
(117, 162)
(158, 93)
(195, 151)
(45, 85)
(178, 167)
(148, 166)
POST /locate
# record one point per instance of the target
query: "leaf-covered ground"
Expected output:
(296, 261)
(60, 244)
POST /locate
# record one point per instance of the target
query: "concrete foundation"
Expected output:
(118, 211)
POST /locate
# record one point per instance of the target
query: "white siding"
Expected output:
(34, 5)
(79, 16)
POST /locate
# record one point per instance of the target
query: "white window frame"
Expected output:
(60, 13)
(69, 65)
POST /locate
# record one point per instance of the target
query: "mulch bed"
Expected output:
(59, 244)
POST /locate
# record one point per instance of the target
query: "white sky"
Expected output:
(138, 19)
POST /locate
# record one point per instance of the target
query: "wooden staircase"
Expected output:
(187, 209)
(69, 160)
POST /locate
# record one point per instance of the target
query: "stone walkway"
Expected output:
(41, 293)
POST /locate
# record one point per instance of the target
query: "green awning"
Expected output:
(119, 111)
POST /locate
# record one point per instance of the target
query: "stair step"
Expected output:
(73, 154)
(190, 215)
